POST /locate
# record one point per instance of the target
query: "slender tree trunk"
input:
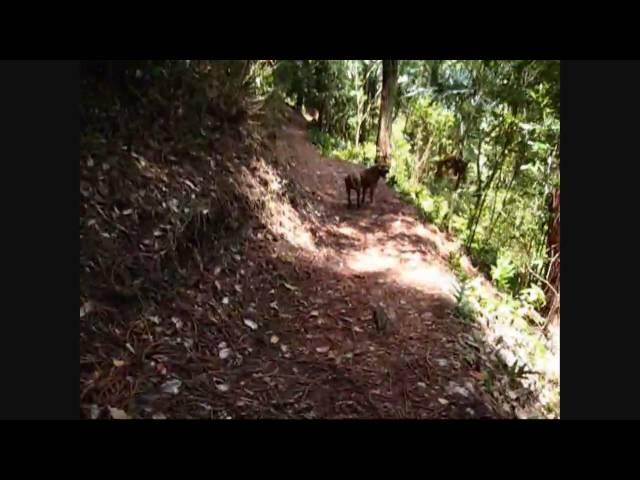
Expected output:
(359, 102)
(423, 162)
(493, 213)
(483, 196)
(494, 220)
(364, 130)
(472, 218)
(553, 245)
(389, 84)
(483, 201)
(364, 123)
(358, 122)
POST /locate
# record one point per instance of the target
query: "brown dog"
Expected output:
(367, 180)
(453, 164)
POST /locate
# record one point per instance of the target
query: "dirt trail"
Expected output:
(272, 319)
(322, 356)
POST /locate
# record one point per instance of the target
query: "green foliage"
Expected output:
(324, 141)
(485, 256)
(322, 84)
(502, 116)
(429, 122)
(454, 260)
(364, 153)
(463, 308)
(503, 273)
(533, 296)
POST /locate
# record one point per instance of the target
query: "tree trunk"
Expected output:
(476, 207)
(389, 84)
(364, 129)
(365, 122)
(553, 246)
(483, 191)
(493, 214)
(359, 101)
(323, 121)
(492, 223)
(422, 164)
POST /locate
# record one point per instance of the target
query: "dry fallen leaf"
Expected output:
(118, 414)
(94, 411)
(172, 386)
(117, 363)
(443, 401)
(86, 308)
(250, 323)
(177, 322)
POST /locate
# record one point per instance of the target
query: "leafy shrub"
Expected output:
(504, 273)
(325, 142)
(533, 296)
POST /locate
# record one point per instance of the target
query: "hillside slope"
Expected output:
(275, 320)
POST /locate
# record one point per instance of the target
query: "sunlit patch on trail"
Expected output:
(408, 270)
(371, 260)
(348, 231)
(428, 278)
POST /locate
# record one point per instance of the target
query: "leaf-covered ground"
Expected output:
(236, 283)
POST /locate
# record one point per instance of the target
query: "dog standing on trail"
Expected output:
(365, 180)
